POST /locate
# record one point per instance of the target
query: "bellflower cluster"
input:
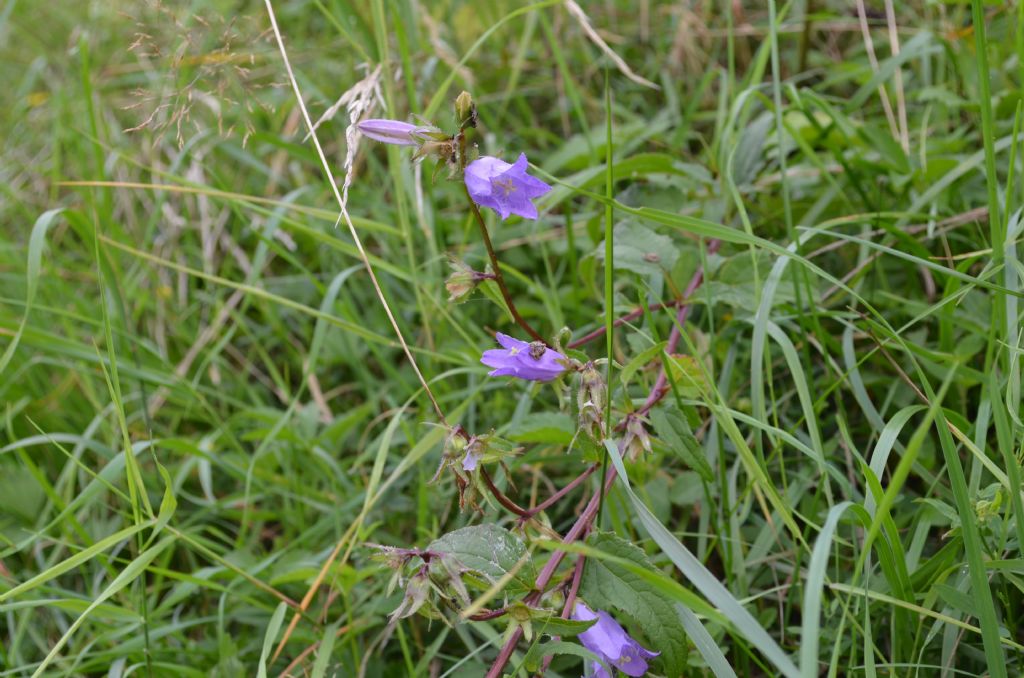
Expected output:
(609, 640)
(506, 189)
(523, 360)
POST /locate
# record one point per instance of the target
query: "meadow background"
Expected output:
(207, 418)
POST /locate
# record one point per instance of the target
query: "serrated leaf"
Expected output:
(673, 430)
(553, 625)
(610, 586)
(641, 250)
(538, 651)
(490, 551)
(545, 427)
(640, 361)
(687, 374)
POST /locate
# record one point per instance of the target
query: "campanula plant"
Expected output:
(508, 189)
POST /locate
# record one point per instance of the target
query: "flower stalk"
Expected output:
(498, 277)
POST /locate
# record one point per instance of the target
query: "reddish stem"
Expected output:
(583, 523)
(489, 614)
(570, 601)
(498, 277)
(550, 501)
(502, 499)
(632, 315)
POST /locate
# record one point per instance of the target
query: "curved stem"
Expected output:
(578, 529)
(561, 493)
(498, 277)
(502, 498)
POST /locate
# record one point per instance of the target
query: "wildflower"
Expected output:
(394, 132)
(505, 188)
(530, 361)
(608, 640)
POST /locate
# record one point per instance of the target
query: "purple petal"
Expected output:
(521, 164)
(520, 204)
(390, 131)
(633, 660)
(511, 342)
(497, 357)
(505, 188)
(606, 637)
(486, 168)
(533, 187)
(470, 461)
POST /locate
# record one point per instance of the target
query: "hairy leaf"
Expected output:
(490, 551)
(610, 586)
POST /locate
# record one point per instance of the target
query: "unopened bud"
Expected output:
(465, 110)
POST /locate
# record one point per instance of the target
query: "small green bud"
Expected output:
(465, 110)
(463, 280)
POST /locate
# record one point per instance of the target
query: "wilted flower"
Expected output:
(463, 280)
(530, 361)
(590, 400)
(394, 132)
(609, 640)
(505, 188)
(637, 438)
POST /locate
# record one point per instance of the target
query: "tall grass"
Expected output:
(209, 416)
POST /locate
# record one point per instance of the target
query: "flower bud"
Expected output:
(590, 401)
(393, 132)
(465, 110)
(463, 280)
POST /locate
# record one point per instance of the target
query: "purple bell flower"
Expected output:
(506, 189)
(609, 640)
(533, 362)
(393, 132)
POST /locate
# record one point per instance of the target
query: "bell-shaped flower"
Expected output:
(523, 360)
(608, 640)
(506, 189)
(394, 132)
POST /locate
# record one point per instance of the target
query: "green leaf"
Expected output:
(640, 361)
(133, 570)
(36, 241)
(672, 428)
(641, 250)
(545, 427)
(269, 636)
(701, 578)
(608, 585)
(538, 651)
(488, 550)
(545, 621)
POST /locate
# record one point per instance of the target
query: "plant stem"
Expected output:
(498, 277)
(584, 522)
(502, 498)
(530, 513)
(544, 578)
